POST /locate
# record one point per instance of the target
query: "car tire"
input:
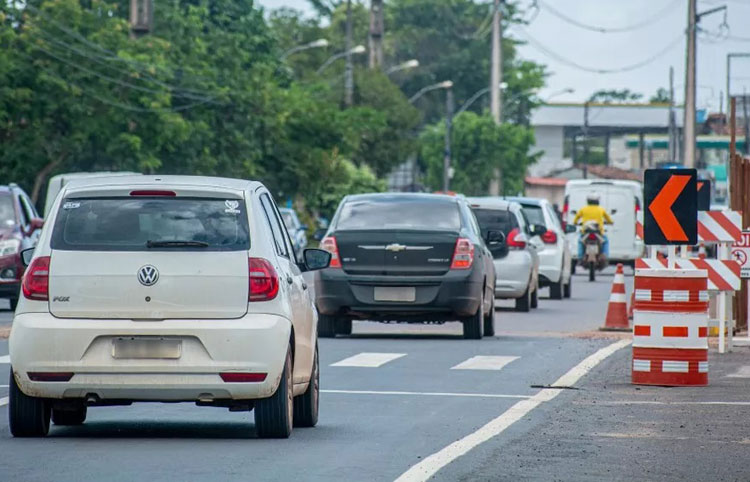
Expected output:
(306, 406)
(344, 326)
(556, 289)
(274, 416)
(489, 320)
(474, 324)
(28, 416)
(568, 288)
(535, 298)
(13, 304)
(573, 267)
(326, 326)
(523, 304)
(69, 417)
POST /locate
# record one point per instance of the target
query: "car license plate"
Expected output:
(592, 249)
(396, 293)
(146, 347)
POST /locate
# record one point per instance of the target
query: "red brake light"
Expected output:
(329, 244)
(264, 281)
(463, 254)
(512, 240)
(242, 377)
(549, 237)
(592, 236)
(153, 193)
(35, 285)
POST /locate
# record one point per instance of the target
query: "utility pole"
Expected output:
(672, 120)
(141, 17)
(586, 139)
(496, 60)
(688, 124)
(448, 134)
(376, 34)
(745, 122)
(349, 69)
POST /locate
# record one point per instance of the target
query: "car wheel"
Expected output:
(326, 326)
(473, 325)
(29, 416)
(568, 288)
(274, 416)
(306, 405)
(489, 320)
(523, 303)
(13, 304)
(344, 326)
(556, 289)
(535, 298)
(69, 417)
(573, 267)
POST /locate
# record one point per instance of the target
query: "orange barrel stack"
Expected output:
(670, 327)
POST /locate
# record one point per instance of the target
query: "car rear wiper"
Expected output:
(176, 244)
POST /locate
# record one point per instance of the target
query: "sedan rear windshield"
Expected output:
(495, 220)
(7, 213)
(534, 214)
(399, 214)
(149, 224)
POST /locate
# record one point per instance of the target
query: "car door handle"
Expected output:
(304, 285)
(289, 279)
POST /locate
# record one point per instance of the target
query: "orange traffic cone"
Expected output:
(617, 311)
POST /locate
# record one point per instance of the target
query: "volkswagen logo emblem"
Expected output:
(148, 275)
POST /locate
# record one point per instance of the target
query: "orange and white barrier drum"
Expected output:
(670, 327)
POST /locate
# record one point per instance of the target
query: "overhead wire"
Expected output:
(652, 19)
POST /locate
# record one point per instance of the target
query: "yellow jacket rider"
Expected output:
(593, 212)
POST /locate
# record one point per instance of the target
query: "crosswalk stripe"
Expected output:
(5, 359)
(485, 362)
(4, 401)
(368, 360)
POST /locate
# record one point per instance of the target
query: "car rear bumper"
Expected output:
(40, 342)
(10, 276)
(550, 263)
(513, 274)
(454, 294)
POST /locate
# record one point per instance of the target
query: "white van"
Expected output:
(56, 184)
(622, 200)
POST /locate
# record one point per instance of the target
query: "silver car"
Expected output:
(297, 230)
(552, 246)
(516, 261)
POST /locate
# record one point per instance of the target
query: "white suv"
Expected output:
(171, 288)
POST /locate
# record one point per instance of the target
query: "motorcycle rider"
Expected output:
(593, 212)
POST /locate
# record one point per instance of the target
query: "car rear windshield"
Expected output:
(495, 220)
(399, 214)
(534, 214)
(7, 213)
(148, 224)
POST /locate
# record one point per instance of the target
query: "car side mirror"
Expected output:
(495, 238)
(316, 259)
(537, 229)
(319, 234)
(35, 224)
(570, 228)
(27, 255)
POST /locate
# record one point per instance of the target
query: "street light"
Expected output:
(321, 42)
(446, 84)
(477, 95)
(409, 64)
(359, 49)
(568, 90)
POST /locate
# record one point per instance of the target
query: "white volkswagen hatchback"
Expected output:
(169, 289)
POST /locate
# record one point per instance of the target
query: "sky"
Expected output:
(560, 44)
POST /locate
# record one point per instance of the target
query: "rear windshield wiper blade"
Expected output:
(176, 244)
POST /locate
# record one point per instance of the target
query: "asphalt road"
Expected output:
(430, 388)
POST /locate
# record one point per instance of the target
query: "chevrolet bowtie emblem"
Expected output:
(395, 247)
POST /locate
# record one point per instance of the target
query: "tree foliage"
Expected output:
(614, 96)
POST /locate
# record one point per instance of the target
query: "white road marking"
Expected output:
(5, 359)
(429, 466)
(484, 362)
(426, 394)
(743, 372)
(4, 401)
(368, 360)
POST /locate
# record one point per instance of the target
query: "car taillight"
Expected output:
(152, 192)
(512, 240)
(463, 254)
(329, 244)
(35, 285)
(565, 214)
(264, 281)
(592, 237)
(243, 377)
(549, 237)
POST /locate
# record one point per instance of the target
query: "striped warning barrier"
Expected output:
(639, 225)
(723, 274)
(670, 327)
(719, 226)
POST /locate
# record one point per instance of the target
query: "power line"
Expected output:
(571, 63)
(652, 19)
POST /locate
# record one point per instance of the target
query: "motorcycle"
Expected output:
(593, 256)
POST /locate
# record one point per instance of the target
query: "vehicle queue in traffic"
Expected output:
(191, 289)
